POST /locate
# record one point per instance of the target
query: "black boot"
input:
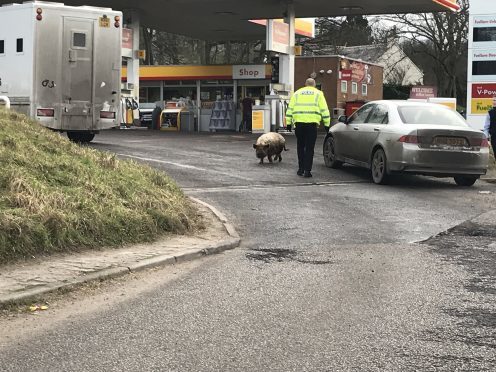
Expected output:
(307, 174)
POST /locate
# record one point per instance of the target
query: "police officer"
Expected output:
(490, 126)
(307, 109)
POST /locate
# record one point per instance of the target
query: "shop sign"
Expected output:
(423, 92)
(277, 37)
(248, 72)
(345, 75)
(482, 98)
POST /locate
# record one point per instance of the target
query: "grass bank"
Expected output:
(56, 196)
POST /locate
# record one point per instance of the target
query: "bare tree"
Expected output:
(438, 43)
(164, 48)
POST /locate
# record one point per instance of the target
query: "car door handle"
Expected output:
(355, 128)
(377, 129)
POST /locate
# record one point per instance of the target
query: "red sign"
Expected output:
(345, 75)
(483, 90)
(423, 92)
(358, 71)
(127, 38)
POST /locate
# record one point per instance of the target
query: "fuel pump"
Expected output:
(278, 101)
(129, 111)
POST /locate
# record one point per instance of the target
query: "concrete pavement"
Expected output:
(31, 279)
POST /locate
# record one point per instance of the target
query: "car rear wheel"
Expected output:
(330, 154)
(465, 180)
(378, 168)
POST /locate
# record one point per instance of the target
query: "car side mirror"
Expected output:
(343, 119)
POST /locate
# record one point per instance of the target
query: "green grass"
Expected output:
(56, 196)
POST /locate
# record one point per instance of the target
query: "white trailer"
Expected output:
(62, 65)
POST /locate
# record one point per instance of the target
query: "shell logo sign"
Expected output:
(451, 4)
(303, 26)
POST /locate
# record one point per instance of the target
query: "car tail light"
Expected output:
(107, 114)
(409, 139)
(45, 112)
(479, 142)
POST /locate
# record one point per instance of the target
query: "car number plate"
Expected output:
(450, 141)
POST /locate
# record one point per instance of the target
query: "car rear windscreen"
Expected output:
(430, 115)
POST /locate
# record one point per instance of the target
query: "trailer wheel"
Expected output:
(81, 137)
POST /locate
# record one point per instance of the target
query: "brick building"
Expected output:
(343, 80)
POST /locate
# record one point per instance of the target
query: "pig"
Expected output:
(269, 145)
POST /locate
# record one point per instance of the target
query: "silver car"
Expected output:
(390, 137)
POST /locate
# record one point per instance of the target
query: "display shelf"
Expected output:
(222, 117)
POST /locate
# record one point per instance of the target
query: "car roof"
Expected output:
(398, 102)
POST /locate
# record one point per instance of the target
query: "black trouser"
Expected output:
(246, 123)
(493, 144)
(306, 136)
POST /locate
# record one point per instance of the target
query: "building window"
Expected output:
(79, 40)
(20, 46)
(2, 46)
(482, 34)
(364, 89)
(344, 86)
(354, 88)
(484, 68)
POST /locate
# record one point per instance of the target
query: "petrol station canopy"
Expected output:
(229, 19)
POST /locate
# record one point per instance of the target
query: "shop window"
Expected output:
(344, 86)
(354, 88)
(175, 93)
(484, 68)
(216, 93)
(482, 34)
(149, 94)
(20, 46)
(364, 89)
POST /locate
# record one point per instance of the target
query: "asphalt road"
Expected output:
(330, 275)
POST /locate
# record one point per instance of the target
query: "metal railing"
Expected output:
(6, 101)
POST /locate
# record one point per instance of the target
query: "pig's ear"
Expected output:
(254, 146)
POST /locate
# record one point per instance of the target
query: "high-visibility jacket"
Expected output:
(308, 105)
